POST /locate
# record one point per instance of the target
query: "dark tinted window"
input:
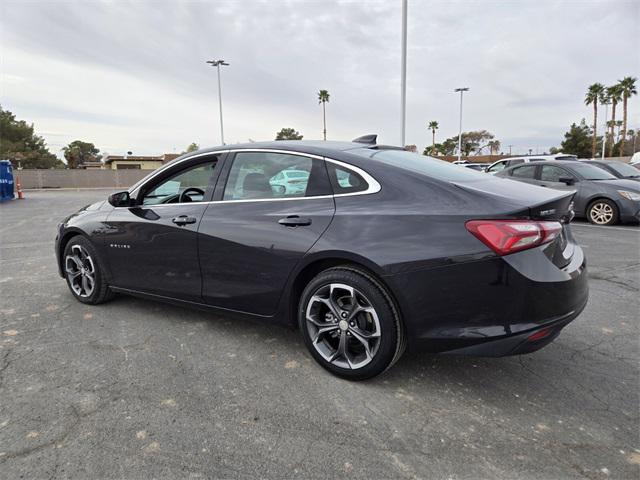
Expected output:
(511, 163)
(344, 180)
(526, 171)
(551, 173)
(262, 175)
(626, 170)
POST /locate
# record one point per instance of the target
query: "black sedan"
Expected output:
(601, 197)
(364, 248)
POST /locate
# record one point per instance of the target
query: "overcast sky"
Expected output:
(132, 75)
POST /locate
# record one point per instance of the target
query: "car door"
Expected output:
(255, 232)
(153, 246)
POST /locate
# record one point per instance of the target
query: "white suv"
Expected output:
(508, 162)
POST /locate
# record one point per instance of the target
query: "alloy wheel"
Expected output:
(80, 271)
(601, 213)
(343, 326)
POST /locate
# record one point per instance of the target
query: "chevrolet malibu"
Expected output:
(379, 249)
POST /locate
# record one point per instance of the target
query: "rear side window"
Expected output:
(266, 175)
(344, 180)
(526, 171)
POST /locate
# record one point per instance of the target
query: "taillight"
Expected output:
(509, 236)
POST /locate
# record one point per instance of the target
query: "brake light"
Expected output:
(509, 236)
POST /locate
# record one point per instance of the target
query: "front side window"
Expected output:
(526, 171)
(265, 175)
(551, 173)
(188, 185)
(497, 167)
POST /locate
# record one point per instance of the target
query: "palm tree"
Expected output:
(323, 97)
(433, 126)
(628, 87)
(494, 146)
(594, 93)
(614, 94)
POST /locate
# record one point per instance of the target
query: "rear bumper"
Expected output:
(490, 307)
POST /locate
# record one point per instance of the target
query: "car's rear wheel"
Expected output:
(603, 212)
(349, 323)
(83, 272)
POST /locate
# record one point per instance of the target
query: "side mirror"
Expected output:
(567, 180)
(120, 199)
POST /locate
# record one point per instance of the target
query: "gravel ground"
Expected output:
(134, 389)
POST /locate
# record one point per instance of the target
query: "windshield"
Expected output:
(627, 171)
(423, 164)
(591, 172)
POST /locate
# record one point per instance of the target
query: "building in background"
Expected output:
(137, 162)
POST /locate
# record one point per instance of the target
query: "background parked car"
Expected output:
(500, 165)
(600, 197)
(294, 181)
(618, 169)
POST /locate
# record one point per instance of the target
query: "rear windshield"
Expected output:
(429, 166)
(627, 171)
(591, 172)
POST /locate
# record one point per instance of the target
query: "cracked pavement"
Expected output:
(137, 389)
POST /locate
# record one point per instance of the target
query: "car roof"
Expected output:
(303, 146)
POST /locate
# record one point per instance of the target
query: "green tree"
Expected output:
(79, 152)
(433, 126)
(494, 147)
(628, 87)
(578, 140)
(614, 95)
(288, 134)
(193, 147)
(593, 96)
(323, 97)
(22, 146)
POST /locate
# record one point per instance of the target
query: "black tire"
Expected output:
(602, 212)
(387, 348)
(100, 291)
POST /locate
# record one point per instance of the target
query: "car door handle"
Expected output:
(543, 185)
(184, 220)
(294, 221)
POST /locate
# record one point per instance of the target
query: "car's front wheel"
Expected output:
(349, 323)
(83, 272)
(603, 212)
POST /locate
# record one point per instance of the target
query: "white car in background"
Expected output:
(500, 165)
(635, 160)
(294, 181)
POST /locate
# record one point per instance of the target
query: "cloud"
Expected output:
(132, 75)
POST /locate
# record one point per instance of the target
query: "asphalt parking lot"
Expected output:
(134, 389)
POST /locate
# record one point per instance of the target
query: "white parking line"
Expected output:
(622, 229)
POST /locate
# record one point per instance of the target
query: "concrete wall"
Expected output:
(115, 179)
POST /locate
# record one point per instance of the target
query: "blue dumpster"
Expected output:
(6, 180)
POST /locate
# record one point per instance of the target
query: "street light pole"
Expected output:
(604, 137)
(218, 63)
(461, 90)
(403, 75)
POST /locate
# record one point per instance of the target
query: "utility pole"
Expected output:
(403, 75)
(461, 90)
(510, 149)
(218, 63)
